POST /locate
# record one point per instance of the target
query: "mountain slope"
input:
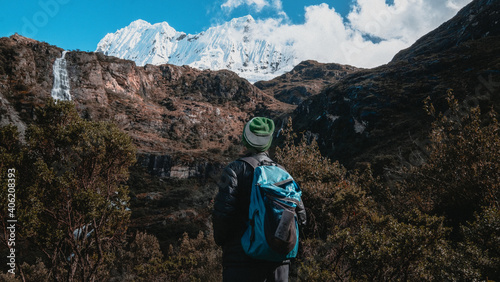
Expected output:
(478, 20)
(376, 115)
(233, 45)
(167, 109)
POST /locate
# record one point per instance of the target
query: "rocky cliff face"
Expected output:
(168, 110)
(377, 115)
(25, 77)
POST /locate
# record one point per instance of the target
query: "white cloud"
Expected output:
(326, 36)
(257, 4)
(405, 20)
(277, 5)
(229, 5)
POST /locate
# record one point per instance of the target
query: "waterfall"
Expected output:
(60, 89)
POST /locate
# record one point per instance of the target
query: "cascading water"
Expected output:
(60, 89)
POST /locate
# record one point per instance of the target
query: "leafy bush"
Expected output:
(195, 259)
(462, 173)
(355, 238)
(332, 197)
(138, 260)
(460, 182)
(70, 200)
(481, 245)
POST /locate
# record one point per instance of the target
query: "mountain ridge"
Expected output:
(471, 22)
(232, 45)
(376, 116)
(305, 80)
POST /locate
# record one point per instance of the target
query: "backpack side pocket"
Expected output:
(280, 226)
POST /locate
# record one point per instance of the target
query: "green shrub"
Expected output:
(332, 197)
(70, 197)
(462, 173)
(351, 237)
(197, 259)
(481, 245)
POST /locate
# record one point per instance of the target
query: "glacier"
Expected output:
(237, 45)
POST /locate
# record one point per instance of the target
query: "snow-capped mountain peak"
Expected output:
(232, 45)
(141, 42)
(241, 22)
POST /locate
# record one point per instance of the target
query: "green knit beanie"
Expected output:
(258, 134)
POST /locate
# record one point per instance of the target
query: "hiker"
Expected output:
(231, 210)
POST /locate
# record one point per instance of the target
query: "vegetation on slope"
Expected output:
(436, 221)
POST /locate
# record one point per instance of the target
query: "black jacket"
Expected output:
(231, 209)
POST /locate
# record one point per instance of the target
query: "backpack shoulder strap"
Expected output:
(251, 161)
(255, 161)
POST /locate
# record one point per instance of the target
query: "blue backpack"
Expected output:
(273, 231)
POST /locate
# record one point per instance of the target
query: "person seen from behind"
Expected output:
(231, 210)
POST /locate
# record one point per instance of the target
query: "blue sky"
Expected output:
(73, 24)
(362, 33)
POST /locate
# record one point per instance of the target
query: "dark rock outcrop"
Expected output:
(165, 166)
(305, 80)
